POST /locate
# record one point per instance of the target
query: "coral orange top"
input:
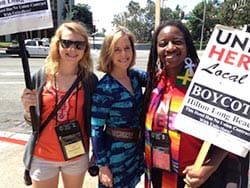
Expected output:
(48, 146)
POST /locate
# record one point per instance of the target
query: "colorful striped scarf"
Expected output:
(173, 91)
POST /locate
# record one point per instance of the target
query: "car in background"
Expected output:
(34, 48)
(13, 48)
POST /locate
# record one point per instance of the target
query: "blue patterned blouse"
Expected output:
(114, 106)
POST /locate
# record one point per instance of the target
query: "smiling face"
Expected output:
(123, 54)
(72, 54)
(171, 49)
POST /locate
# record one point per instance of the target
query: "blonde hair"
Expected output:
(53, 59)
(105, 63)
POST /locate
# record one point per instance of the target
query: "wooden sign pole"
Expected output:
(157, 13)
(201, 157)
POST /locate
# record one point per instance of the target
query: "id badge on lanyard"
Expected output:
(161, 151)
(70, 139)
(69, 135)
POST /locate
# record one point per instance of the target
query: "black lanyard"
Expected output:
(57, 107)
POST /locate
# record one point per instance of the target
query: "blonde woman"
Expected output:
(116, 127)
(68, 59)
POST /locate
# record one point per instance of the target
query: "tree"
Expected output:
(136, 20)
(176, 13)
(140, 21)
(235, 13)
(82, 13)
(211, 19)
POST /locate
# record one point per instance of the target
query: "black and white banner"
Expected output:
(24, 15)
(216, 107)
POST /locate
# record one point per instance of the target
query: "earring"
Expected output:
(189, 65)
(158, 66)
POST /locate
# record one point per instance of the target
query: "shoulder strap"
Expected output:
(59, 105)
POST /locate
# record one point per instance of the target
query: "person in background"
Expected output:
(69, 59)
(116, 109)
(245, 170)
(170, 153)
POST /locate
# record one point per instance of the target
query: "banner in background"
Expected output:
(216, 107)
(24, 15)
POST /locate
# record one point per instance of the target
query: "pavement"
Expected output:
(12, 145)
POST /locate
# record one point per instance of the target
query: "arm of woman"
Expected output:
(195, 178)
(99, 112)
(101, 105)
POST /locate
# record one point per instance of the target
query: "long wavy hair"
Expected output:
(105, 63)
(153, 56)
(53, 59)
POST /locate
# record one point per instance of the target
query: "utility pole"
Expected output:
(157, 13)
(203, 23)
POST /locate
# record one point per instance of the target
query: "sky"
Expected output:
(104, 10)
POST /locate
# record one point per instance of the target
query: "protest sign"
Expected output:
(216, 107)
(24, 15)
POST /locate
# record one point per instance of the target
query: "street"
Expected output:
(13, 129)
(12, 84)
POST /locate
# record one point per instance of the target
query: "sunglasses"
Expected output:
(80, 45)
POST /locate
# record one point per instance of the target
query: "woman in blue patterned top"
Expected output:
(116, 110)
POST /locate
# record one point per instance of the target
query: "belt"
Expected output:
(124, 134)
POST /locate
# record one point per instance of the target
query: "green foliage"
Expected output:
(235, 13)
(138, 20)
(167, 13)
(197, 45)
(211, 20)
(81, 13)
(4, 44)
(141, 21)
(232, 13)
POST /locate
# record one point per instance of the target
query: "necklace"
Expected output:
(72, 94)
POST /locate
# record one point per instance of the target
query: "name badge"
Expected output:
(70, 139)
(161, 151)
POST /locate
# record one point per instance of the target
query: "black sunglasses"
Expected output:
(80, 45)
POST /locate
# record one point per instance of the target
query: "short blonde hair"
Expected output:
(105, 63)
(53, 59)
